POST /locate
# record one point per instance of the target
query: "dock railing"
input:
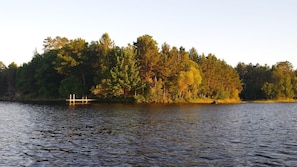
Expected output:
(83, 100)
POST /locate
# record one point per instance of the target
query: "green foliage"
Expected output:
(140, 99)
(74, 60)
(154, 93)
(3, 80)
(123, 78)
(147, 54)
(101, 90)
(11, 80)
(220, 80)
(104, 52)
(25, 79)
(70, 85)
(263, 82)
(253, 78)
(140, 71)
(72, 57)
(143, 73)
(283, 79)
(269, 91)
(39, 78)
(125, 75)
(48, 86)
(294, 83)
(188, 82)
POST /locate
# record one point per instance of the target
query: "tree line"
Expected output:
(140, 72)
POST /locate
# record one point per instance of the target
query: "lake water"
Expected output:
(148, 135)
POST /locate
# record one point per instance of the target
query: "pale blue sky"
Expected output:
(256, 31)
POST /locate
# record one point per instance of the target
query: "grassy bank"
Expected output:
(212, 101)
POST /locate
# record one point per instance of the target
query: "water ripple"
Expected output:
(148, 135)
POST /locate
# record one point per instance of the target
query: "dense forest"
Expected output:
(142, 73)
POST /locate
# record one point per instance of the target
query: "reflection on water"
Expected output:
(148, 135)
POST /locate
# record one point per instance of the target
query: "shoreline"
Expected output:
(119, 100)
(272, 101)
(129, 100)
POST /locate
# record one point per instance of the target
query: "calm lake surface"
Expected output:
(148, 135)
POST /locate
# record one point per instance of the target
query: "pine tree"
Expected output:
(124, 77)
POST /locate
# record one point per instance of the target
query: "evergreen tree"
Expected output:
(104, 51)
(11, 80)
(253, 78)
(125, 75)
(47, 78)
(147, 54)
(73, 63)
(220, 80)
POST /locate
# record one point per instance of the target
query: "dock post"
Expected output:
(70, 98)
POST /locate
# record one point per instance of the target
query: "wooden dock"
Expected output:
(73, 101)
